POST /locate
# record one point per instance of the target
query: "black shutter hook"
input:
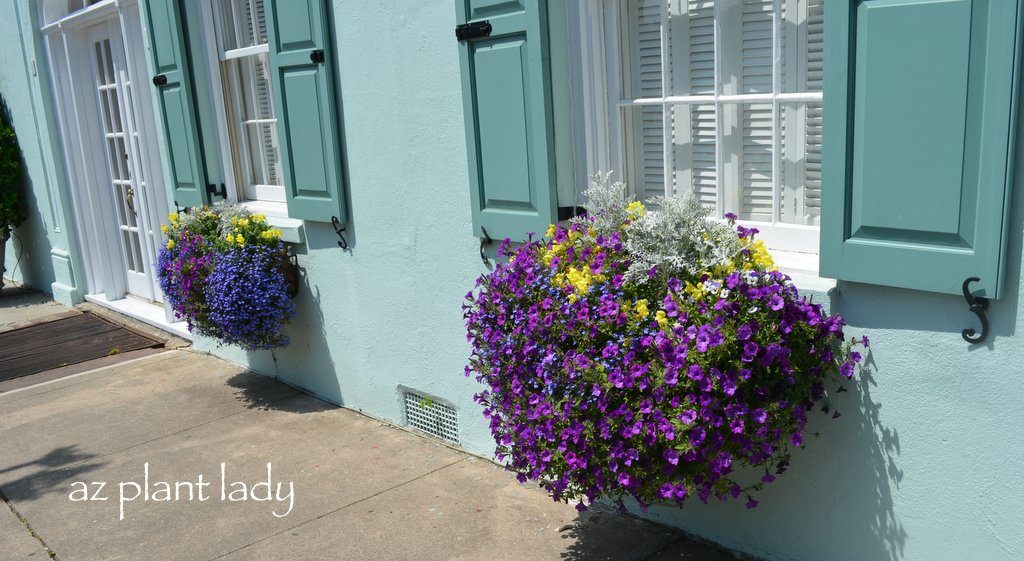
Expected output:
(483, 245)
(977, 305)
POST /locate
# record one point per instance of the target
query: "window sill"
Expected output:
(277, 216)
(803, 269)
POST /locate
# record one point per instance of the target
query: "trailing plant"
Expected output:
(649, 354)
(220, 271)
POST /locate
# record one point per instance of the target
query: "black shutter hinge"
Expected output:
(473, 30)
(159, 80)
(316, 56)
(217, 189)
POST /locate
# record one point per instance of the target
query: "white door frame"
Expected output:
(78, 116)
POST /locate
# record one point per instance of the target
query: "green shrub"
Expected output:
(12, 208)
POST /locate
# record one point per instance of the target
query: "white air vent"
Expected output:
(434, 418)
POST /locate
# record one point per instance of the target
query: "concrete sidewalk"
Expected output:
(362, 490)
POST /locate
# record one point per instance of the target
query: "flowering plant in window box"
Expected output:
(649, 354)
(226, 272)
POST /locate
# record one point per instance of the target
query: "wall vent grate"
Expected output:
(427, 415)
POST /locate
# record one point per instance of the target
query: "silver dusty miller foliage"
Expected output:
(676, 237)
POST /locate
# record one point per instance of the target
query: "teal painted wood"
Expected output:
(205, 115)
(304, 104)
(188, 177)
(919, 134)
(506, 90)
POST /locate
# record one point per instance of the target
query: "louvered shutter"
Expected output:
(700, 74)
(647, 120)
(506, 95)
(919, 135)
(307, 120)
(814, 53)
(755, 130)
(174, 95)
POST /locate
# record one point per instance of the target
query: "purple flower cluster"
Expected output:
(599, 388)
(182, 269)
(248, 297)
(219, 271)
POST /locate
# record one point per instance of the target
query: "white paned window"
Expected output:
(721, 98)
(241, 35)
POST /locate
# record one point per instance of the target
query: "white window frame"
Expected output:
(595, 31)
(269, 199)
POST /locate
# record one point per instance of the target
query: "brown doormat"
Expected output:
(64, 341)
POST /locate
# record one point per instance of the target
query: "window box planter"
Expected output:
(226, 272)
(650, 354)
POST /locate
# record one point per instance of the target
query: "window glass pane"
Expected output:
(645, 170)
(691, 39)
(800, 164)
(746, 46)
(738, 175)
(243, 24)
(755, 161)
(644, 60)
(801, 38)
(693, 152)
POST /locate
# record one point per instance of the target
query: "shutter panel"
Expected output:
(919, 131)
(506, 96)
(701, 77)
(307, 120)
(756, 119)
(812, 124)
(645, 19)
(180, 128)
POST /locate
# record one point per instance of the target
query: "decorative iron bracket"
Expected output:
(483, 245)
(340, 230)
(977, 305)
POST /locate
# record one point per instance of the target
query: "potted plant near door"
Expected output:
(12, 210)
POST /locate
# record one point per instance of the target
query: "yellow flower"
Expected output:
(550, 232)
(259, 217)
(662, 318)
(636, 209)
(243, 222)
(170, 244)
(164, 229)
(641, 309)
(173, 217)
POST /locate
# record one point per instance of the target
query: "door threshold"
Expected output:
(146, 312)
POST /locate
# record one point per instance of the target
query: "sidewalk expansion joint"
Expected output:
(343, 507)
(31, 531)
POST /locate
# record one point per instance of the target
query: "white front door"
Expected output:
(135, 224)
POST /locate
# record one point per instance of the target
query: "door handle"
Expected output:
(129, 200)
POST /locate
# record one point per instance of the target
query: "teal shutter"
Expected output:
(920, 108)
(173, 83)
(506, 91)
(307, 120)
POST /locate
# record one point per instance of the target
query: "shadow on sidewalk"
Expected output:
(257, 391)
(53, 472)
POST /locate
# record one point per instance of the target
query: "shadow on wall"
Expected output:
(27, 257)
(835, 501)
(307, 362)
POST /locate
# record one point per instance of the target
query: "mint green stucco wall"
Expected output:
(925, 463)
(48, 254)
